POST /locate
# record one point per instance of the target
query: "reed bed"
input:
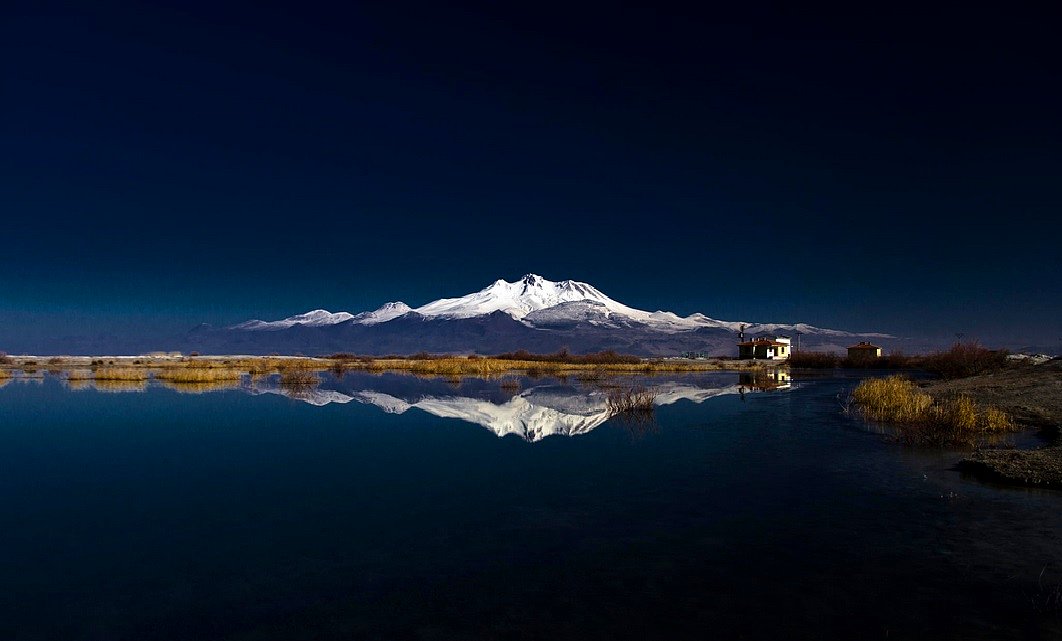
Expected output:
(198, 374)
(497, 366)
(120, 374)
(921, 419)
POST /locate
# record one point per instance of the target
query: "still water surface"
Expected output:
(397, 507)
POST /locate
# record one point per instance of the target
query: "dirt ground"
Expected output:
(1032, 395)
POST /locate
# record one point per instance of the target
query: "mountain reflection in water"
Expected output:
(534, 410)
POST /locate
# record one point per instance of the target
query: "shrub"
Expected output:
(815, 360)
(606, 357)
(965, 359)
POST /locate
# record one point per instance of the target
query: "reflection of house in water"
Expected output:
(773, 378)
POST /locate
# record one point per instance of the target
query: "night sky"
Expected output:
(869, 168)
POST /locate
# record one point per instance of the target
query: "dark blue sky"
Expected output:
(868, 168)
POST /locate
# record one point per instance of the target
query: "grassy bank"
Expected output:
(922, 419)
(204, 373)
(537, 364)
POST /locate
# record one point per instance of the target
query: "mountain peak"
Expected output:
(531, 293)
(384, 313)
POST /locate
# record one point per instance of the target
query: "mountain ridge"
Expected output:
(532, 313)
(539, 302)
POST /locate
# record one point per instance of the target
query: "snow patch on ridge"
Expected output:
(388, 311)
(316, 318)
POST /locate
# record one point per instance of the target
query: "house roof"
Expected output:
(864, 346)
(762, 341)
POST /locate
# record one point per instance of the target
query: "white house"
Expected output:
(770, 348)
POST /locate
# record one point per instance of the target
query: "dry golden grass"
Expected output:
(494, 366)
(920, 418)
(208, 369)
(121, 374)
(198, 374)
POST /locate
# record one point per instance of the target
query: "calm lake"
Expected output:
(392, 507)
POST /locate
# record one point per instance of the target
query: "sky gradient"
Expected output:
(861, 169)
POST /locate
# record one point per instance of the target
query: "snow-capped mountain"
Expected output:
(539, 302)
(518, 299)
(532, 313)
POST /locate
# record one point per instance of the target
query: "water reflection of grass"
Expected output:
(200, 387)
(121, 385)
(510, 384)
(192, 375)
(299, 382)
(634, 407)
(630, 400)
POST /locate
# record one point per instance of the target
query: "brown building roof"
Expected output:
(864, 346)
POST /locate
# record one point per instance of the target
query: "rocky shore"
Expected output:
(1037, 468)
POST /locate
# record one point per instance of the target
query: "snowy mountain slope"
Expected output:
(316, 318)
(518, 299)
(385, 313)
(323, 318)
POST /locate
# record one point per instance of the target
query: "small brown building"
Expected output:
(864, 350)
